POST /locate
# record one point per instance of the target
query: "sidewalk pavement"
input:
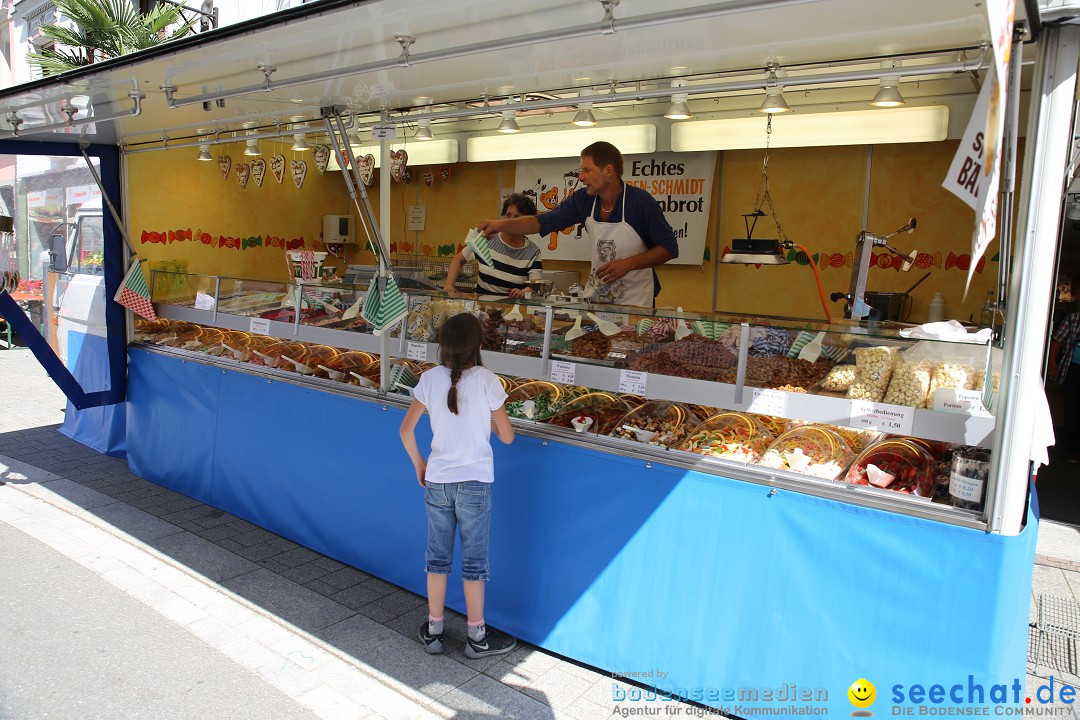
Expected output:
(122, 597)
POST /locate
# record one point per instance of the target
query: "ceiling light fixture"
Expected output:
(774, 94)
(509, 124)
(889, 93)
(300, 142)
(424, 131)
(630, 139)
(204, 152)
(252, 149)
(584, 116)
(678, 109)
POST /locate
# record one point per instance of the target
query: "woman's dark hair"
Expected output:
(459, 350)
(523, 203)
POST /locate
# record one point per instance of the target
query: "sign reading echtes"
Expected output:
(680, 182)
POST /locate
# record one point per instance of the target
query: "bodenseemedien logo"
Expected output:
(862, 694)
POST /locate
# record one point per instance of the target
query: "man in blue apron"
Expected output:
(628, 229)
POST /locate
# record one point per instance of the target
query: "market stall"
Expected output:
(726, 492)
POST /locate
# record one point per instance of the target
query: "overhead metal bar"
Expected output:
(490, 45)
(754, 84)
(18, 131)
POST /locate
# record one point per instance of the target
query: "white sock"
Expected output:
(477, 632)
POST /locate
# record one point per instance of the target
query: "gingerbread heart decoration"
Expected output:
(258, 171)
(428, 178)
(277, 166)
(366, 164)
(407, 177)
(322, 157)
(399, 159)
(243, 172)
(299, 172)
(224, 162)
(444, 173)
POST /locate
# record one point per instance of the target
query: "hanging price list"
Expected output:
(563, 372)
(633, 382)
(417, 351)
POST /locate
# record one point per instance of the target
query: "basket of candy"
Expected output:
(895, 464)
(535, 400)
(604, 409)
(730, 435)
(809, 450)
(657, 422)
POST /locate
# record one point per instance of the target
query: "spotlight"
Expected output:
(889, 94)
(678, 109)
(774, 95)
(584, 117)
(300, 142)
(424, 131)
(509, 124)
(252, 149)
(204, 152)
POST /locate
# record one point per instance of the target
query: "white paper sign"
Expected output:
(966, 179)
(968, 402)
(204, 301)
(378, 132)
(417, 217)
(633, 382)
(617, 318)
(768, 402)
(965, 488)
(563, 372)
(259, 325)
(893, 419)
(417, 351)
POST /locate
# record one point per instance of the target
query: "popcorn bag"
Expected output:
(873, 370)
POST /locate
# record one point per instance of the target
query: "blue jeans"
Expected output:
(465, 506)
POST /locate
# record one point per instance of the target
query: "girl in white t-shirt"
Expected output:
(465, 401)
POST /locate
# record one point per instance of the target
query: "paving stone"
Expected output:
(355, 596)
(557, 688)
(204, 557)
(345, 577)
(295, 557)
(255, 553)
(302, 574)
(483, 697)
(291, 602)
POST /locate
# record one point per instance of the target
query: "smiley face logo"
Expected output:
(862, 693)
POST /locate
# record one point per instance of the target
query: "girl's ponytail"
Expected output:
(451, 397)
(459, 350)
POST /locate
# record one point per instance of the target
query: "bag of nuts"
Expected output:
(910, 383)
(873, 370)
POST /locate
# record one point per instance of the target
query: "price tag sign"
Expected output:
(952, 400)
(417, 351)
(563, 372)
(378, 132)
(417, 300)
(893, 419)
(633, 382)
(260, 325)
(768, 402)
(617, 318)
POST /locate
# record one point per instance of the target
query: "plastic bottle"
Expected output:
(937, 309)
(989, 311)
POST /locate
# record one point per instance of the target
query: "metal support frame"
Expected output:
(1032, 283)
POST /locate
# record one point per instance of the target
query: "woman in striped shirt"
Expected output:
(512, 257)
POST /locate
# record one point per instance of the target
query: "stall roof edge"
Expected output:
(195, 40)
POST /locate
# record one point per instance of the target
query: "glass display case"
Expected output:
(771, 400)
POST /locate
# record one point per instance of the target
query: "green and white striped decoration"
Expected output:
(384, 308)
(479, 245)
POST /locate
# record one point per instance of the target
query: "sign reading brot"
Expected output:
(680, 182)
